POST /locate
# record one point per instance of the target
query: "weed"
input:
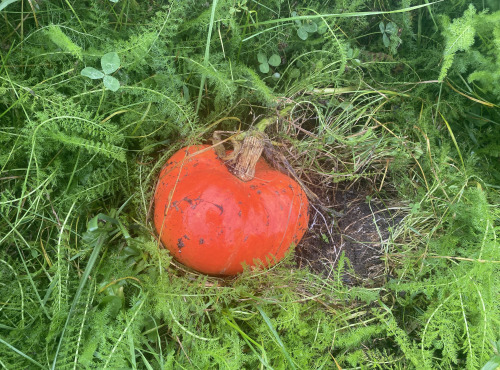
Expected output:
(274, 60)
(110, 62)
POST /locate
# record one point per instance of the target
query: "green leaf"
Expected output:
(295, 14)
(58, 37)
(14, 349)
(459, 36)
(276, 336)
(111, 83)
(302, 33)
(275, 60)
(382, 27)
(92, 73)
(6, 3)
(114, 304)
(322, 28)
(493, 364)
(386, 40)
(346, 105)
(84, 279)
(185, 93)
(110, 62)
(311, 27)
(295, 73)
(391, 28)
(261, 57)
(264, 67)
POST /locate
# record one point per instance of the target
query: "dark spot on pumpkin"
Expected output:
(239, 213)
(180, 243)
(246, 238)
(175, 204)
(186, 237)
(240, 202)
(283, 191)
(258, 192)
(253, 187)
(201, 241)
(196, 164)
(220, 208)
(276, 192)
(193, 202)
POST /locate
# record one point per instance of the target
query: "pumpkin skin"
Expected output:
(214, 223)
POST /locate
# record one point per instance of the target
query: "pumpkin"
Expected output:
(215, 223)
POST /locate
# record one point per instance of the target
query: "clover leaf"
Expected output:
(261, 57)
(92, 73)
(302, 33)
(310, 27)
(274, 60)
(387, 31)
(306, 28)
(110, 62)
(111, 83)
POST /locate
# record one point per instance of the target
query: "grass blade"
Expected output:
(276, 336)
(454, 141)
(83, 281)
(207, 53)
(22, 354)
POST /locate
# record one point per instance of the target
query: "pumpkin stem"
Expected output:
(268, 121)
(247, 147)
(243, 164)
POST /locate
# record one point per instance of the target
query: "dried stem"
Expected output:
(244, 162)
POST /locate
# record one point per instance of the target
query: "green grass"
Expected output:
(83, 280)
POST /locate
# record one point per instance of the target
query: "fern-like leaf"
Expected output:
(58, 37)
(459, 36)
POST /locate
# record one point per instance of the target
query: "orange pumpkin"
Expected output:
(215, 223)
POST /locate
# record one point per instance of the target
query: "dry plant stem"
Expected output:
(335, 91)
(247, 149)
(245, 160)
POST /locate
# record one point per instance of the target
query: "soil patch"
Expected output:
(361, 232)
